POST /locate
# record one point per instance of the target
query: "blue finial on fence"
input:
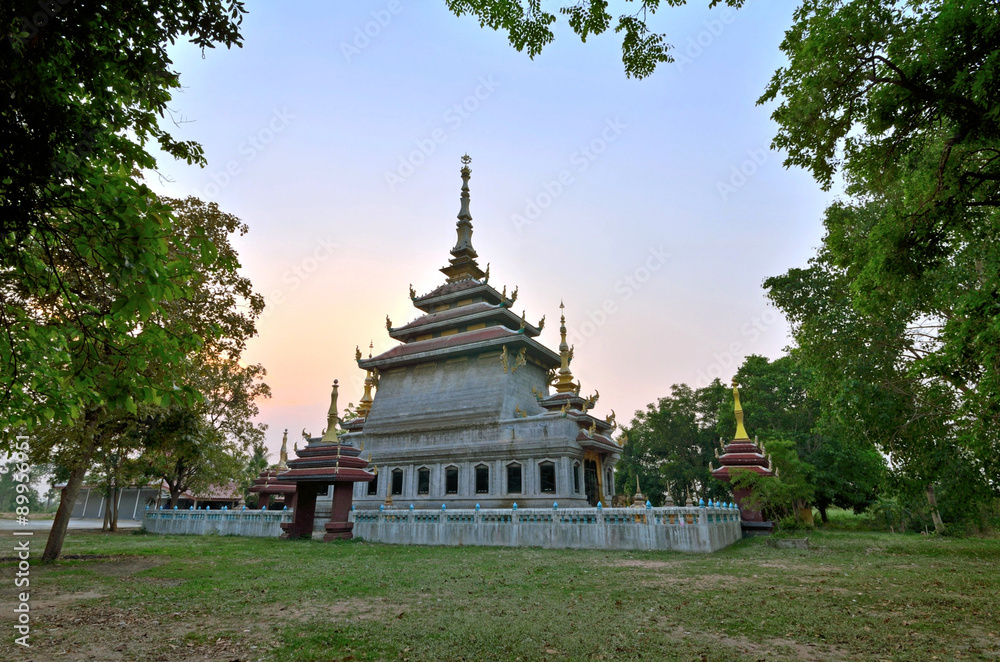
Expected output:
(701, 503)
(555, 505)
(352, 507)
(514, 507)
(381, 506)
(648, 504)
(477, 506)
(175, 507)
(411, 506)
(600, 506)
(264, 507)
(444, 506)
(243, 508)
(285, 508)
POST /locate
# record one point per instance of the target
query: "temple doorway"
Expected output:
(590, 484)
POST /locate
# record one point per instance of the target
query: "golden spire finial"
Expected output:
(564, 381)
(741, 433)
(331, 415)
(371, 346)
(365, 405)
(283, 455)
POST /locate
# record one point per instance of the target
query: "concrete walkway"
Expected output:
(9, 525)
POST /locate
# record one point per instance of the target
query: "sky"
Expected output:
(653, 208)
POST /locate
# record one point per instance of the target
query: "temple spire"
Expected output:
(463, 261)
(283, 455)
(564, 381)
(741, 433)
(365, 404)
(331, 416)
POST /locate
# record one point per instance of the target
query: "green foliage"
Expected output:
(783, 495)
(899, 312)
(528, 26)
(25, 486)
(780, 403)
(86, 274)
(671, 444)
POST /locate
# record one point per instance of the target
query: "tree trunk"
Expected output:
(53, 547)
(935, 515)
(175, 494)
(113, 517)
(107, 513)
(822, 514)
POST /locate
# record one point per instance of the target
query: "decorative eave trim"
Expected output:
(475, 347)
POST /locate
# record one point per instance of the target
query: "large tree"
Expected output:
(671, 444)
(900, 100)
(217, 307)
(86, 270)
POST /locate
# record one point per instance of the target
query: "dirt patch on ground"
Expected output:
(343, 610)
(768, 648)
(695, 582)
(652, 565)
(84, 633)
(125, 566)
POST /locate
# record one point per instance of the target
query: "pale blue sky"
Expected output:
(311, 133)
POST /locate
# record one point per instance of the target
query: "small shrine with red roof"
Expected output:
(266, 484)
(743, 453)
(472, 409)
(325, 462)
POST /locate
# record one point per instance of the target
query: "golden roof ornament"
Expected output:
(357, 353)
(462, 264)
(388, 323)
(541, 323)
(741, 433)
(513, 296)
(283, 454)
(486, 276)
(332, 419)
(306, 435)
(564, 379)
(365, 404)
(413, 292)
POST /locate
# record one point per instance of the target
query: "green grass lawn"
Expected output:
(854, 596)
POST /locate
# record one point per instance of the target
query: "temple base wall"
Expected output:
(681, 529)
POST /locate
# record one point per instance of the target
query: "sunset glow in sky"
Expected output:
(653, 208)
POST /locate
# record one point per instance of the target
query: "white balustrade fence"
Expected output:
(253, 523)
(687, 529)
